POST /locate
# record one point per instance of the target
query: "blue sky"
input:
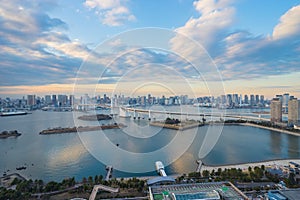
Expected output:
(255, 44)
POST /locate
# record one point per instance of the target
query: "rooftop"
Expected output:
(194, 191)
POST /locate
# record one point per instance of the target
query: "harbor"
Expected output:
(57, 154)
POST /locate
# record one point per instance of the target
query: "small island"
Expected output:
(6, 134)
(60, 130)
(97, 117)
(177, 124)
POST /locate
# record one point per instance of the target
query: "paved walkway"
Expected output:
(102, 187)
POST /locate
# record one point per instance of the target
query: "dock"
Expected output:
(199, 165)
(109, 169)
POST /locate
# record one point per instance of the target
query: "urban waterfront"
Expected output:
(55, 157)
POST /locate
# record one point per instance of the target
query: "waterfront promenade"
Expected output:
(244, 166)
(271, 128)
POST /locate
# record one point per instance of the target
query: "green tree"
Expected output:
(90, 180)
(205, 173)
(96, 179)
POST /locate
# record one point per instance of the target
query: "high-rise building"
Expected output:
(294, 111)
(54, 100)
(223, 99)
(262, 100)
(184, 99)
(256, 99)
(48, 99)
(31, 100)
(279, 96)
(229, 100)
(236, 99)
(105, 98)
(276, 110)
(62, 99)
(71, 100)
(143, 100)
(246, 99)
(240, 100)
(252, 100)
(285, 102)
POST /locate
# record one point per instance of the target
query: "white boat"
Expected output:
(160, 168)
(12, 113)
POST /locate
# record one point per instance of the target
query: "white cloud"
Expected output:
(215, 17)
(240, 54)
(289, 24)
(102, 4)
(111, 12)
(34, 45)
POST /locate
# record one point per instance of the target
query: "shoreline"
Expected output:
(270, 128)
(243, 166)
(273, 162)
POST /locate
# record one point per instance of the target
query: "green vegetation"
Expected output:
(26, 189)
(234, 175)
(251, 175)
(263, 123)
(172, 121)
(6, 134)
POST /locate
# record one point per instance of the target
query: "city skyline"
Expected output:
(253, 44)
(247, 96)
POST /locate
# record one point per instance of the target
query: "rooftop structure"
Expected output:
(160, 180)
(214, 191)
(212, 195)
(290, 194)
(275, 195)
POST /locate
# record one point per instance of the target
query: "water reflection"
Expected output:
(293, 146)
(275, 142)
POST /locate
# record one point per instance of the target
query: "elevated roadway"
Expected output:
(246, 116)
(102, 187)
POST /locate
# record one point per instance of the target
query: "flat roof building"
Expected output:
(294, 111)
(288, 194)
(211, 191)
(276, 110)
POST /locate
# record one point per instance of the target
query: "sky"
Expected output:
(197, 47)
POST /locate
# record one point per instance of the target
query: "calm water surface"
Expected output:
(54, 157)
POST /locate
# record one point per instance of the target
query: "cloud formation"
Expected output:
(111, 12)
(289, 25)
(34, 48)
(240, 54)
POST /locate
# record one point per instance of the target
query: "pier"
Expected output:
(109, 169)
(198, 170)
